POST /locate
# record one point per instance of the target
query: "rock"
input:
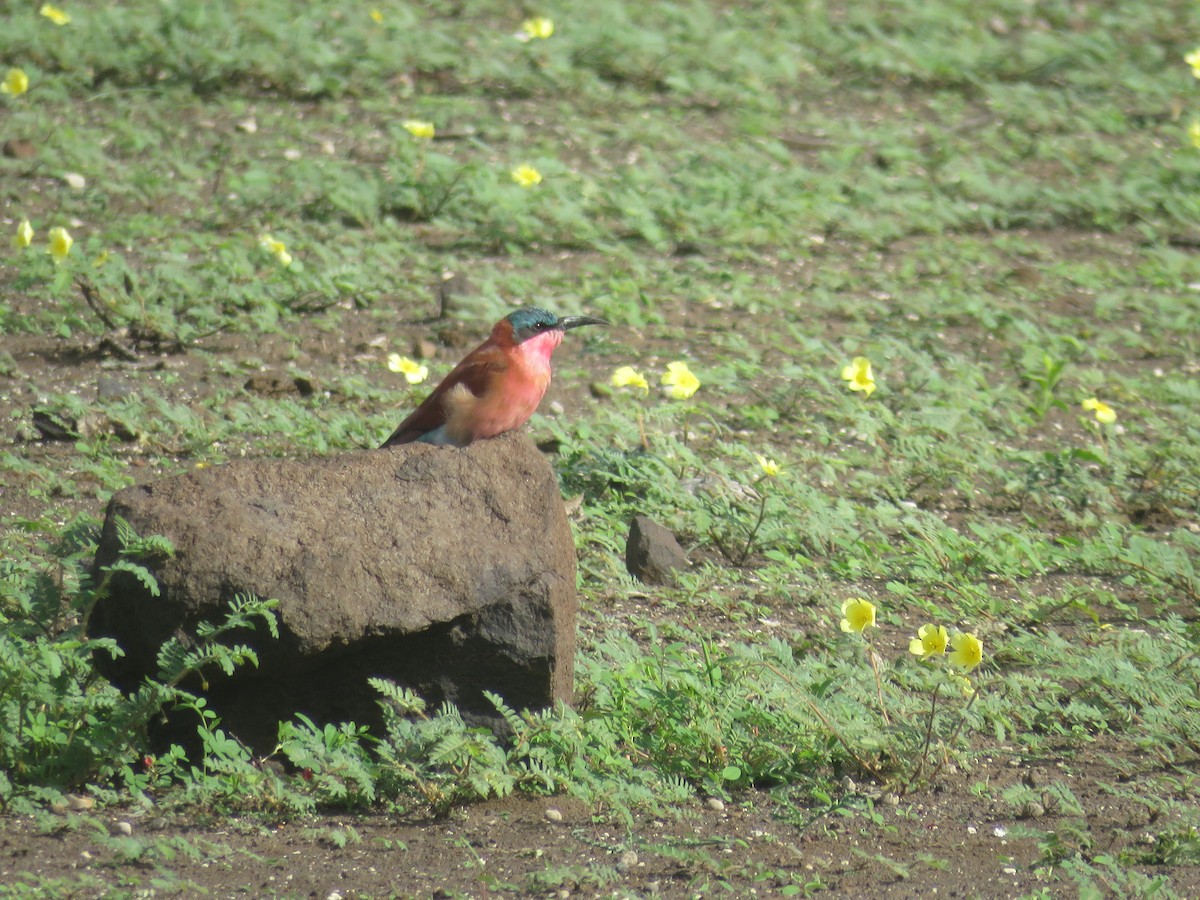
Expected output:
(423, 348)
(451, 290)
(55, 426)
(18, 148)
(449, 571)
(652, 554)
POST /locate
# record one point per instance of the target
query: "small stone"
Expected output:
(55, 427)
(555, 408)
(1032, 810)
(553, 815)
(652, 554)
(891, 799)
(292, 154)
(123, 828)
(715, 804)
(78, 802)
(75, 181)
(18, 148)
(250, 126)
(450, 291)
(627, 860)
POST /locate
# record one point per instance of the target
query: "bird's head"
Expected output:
(531, 321)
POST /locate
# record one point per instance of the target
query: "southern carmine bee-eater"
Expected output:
(496, 387)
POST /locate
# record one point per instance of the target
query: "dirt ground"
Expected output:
(949, 842)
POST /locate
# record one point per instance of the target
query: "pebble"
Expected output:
(1033, 810)
(123, 828)
(627, 860)
(553, 815)
(715, 805)
(75, 181)
(79, 802)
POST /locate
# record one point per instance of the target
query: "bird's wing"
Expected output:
(474, 373)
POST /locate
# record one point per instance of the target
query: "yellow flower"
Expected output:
(857, 614)
(539, 27)
(769, 466)
(54, 14)
(930, 641)
(627, 376)
(15, 83)
(60, 244)
(413, 371)
(1104, 413)
(419, 129)
(24, 236)
(526, 176)
(1193, 60)
(376, 16)
(967, 651)
(278, 249)
(858, 375)
(680, 381)
(1194, 133)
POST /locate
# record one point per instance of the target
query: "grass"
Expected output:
(996, 205)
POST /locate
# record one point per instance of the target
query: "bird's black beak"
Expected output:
(566, 323)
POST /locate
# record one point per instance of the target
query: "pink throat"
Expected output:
(538, 350)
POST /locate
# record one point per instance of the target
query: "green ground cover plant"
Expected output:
(905, 302)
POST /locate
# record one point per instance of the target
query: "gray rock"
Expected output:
(652, 554)
(450, 571)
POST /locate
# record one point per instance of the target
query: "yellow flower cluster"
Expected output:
(679, 382)
(59, 240)
(966, 650)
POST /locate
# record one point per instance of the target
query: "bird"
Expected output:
(496, 387)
